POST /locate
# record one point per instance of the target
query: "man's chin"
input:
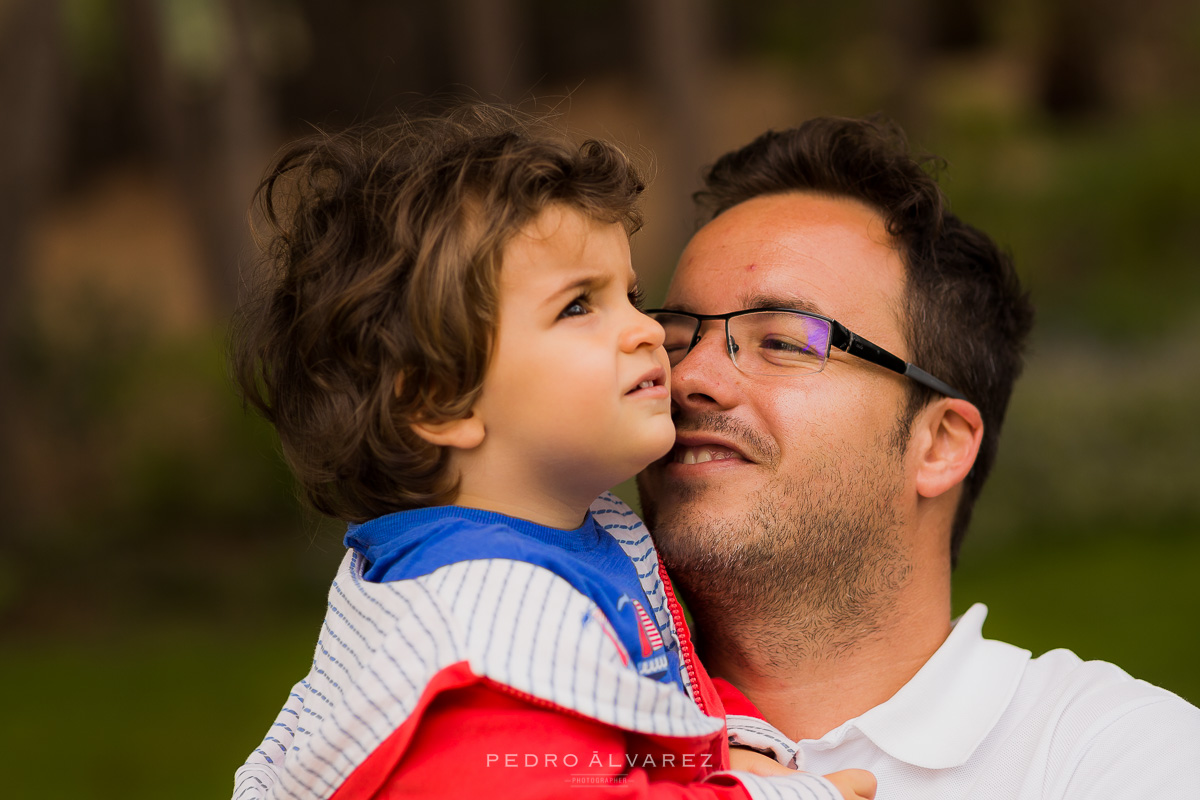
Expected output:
(669, 493)
(670, 507)
(665, 501)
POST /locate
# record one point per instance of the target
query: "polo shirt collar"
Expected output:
(939, 718)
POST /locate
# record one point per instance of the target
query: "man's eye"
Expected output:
(787, 346)
(576, 308)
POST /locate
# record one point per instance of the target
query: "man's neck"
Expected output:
(811, 677)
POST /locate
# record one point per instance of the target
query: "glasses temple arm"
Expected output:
(855, 345)
(925, 379)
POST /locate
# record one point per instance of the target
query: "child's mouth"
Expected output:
(653, 378)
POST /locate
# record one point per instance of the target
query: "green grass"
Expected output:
(160, 715)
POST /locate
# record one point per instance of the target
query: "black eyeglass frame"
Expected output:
(840, 337)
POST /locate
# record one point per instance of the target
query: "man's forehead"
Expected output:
(826, 255)
(774, 274)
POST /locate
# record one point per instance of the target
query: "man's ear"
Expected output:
(462, 434)
(954, 429)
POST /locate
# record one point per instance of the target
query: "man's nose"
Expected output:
(711, 342)
(706, 375)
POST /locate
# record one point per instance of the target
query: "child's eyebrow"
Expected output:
(583, 283)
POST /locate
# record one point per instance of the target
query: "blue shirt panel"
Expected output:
(409, 544)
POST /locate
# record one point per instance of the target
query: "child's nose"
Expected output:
(642, 330)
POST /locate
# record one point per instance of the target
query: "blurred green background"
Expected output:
(160, 586)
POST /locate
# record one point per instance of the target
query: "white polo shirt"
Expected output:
(983, 720)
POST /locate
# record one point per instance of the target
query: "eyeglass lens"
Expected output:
(763, 343)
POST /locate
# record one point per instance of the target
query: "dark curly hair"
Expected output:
(378, 302)
(967, 315)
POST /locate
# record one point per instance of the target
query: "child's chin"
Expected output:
(657, 447)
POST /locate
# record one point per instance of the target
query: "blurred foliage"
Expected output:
(1100, 439)
(1101, 218)
(146, 489)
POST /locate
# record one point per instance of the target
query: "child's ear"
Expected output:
(462, 434)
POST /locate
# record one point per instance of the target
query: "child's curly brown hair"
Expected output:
(378, 304)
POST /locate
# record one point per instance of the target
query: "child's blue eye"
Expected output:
(576, 308)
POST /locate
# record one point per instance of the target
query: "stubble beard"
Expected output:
(807, 571)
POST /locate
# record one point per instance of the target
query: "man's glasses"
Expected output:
(784, 342)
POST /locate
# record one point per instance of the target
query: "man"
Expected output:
(824, 474)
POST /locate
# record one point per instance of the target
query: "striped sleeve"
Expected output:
(801, 786)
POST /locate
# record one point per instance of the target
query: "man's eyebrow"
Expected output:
(757, 301)
(780, 301)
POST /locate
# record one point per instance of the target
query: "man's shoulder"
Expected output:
(1063, 673)
(1090, 701)
(1102, 732)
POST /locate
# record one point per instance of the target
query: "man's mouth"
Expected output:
(702, 454)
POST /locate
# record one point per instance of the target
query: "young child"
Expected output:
(450, 347)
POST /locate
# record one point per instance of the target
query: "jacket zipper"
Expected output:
(686, 651)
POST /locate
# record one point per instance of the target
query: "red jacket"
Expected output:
(497, 678)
